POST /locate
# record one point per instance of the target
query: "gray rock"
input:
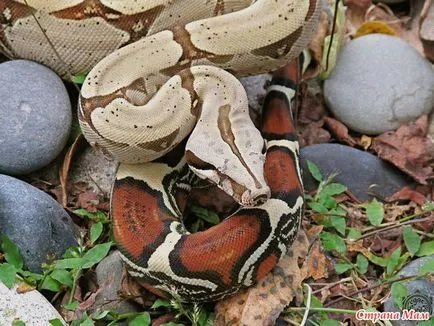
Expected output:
(379, 83)
(34, 221)
(31, 307)
(95, 169)
(35, 115)
(109, 277)
(423, 287)
(255, 88)
(362, 172)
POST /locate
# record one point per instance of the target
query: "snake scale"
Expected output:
(159, 71)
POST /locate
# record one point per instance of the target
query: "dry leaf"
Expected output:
(316, 262)
(340, 131)
(365, 142)
(313, 232)
(356, 13)
(63, 173)
(409, 149)
(357, 246)
(311, 120)
(407, 193)
(133, 290)
(381, 245)
(316, 47)
(374, 27)
(163, 319)
(25, 287)
(263, 303)
(89, 200)
(89, 303)
(392, 211)
(381, 12)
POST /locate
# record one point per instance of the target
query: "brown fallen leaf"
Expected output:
(25, 287)
(69, 315)
(409, 149)
(316, 262)
(263, 303)
(407, 193)
(355, 216)
(88, 200)
(316, 47)
(365, 142)
(132, 290)
(381, 12)
(381, 245)
(356, 14)
(313, 232)
(79, 142)
(86, 305)
(393, 212)
(340, 131)
(310, 120)
(313, 133)
(167, 318)
(357, 246)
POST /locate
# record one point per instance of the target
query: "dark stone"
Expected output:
(421, 288)
(109, 277)
(363, 173)
(34, 221)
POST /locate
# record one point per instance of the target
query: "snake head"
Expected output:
(232, 159)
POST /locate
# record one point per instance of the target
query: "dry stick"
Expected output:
(394, 227)
(400, 221)
(329, 285)
(335, 18)
(373, 287)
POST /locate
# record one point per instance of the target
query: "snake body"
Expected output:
(157, 74)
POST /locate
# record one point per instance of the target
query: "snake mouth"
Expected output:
(255, 198)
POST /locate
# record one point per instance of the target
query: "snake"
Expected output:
(161, 96)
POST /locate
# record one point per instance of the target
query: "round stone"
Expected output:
(34, 221)
(420, 292)
(379, 83)
(109, 275)
(364, 174)
(29, 307)
(35, 116)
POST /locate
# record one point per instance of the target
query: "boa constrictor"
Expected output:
(156, 76)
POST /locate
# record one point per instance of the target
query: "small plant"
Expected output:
(194, 313)
(61, 274)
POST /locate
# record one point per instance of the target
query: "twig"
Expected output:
(402, 220)
(335, 18)
(425, 234)
(369, 288)
(329, 285)
(327, 310)
(430, 218)
(74, 285)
